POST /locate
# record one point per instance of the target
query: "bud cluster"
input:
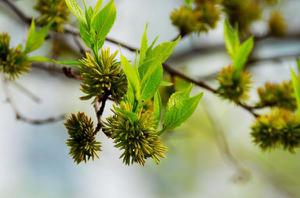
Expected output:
(54, 12)
(102, 75)
(13, 62)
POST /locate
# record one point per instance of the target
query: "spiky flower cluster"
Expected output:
(13, 62)
(242, 13)
(82, 142)
(277, 95)
(280, 128)
(277, 24)
(201, 17)
(233, 87)
(135, 134)
(102, 76)
(54, 12)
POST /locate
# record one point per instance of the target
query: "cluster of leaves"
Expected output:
(196, 16)
(137, 122)
(234, 83)
(201, 15)
(16, 61)
(54, 12)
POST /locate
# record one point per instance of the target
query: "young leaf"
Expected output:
(179, 108)
(188, 2)
(163, 51)
(298, 64)
(157, 105)
(43, 59)
(158, 55)
(151, 80)
(75, 9)
(103, 22)
(165, 84)
(242, 54)
(35, 38)
(144, 46)
(296, 86)
(231, 37)
(132, 76)
(98, 5)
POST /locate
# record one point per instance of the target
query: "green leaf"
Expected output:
(179, 108)
(103, 22)
(85, 34)
(132, 76)
(296, 85)
(150, 71)
(43, 59)
(156, 56)
(157, 106)
(298, 64)
(151, 80)
(144, 46)
(242, 54)
(98, 5)
(165, 84)
(75, 9)
(188, 2)
(231, 37)
(163, 51)
(35, 38)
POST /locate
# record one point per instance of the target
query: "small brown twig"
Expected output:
(99, 109)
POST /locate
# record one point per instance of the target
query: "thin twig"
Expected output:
(17, 11)
(27, 92)
(20, 116)
(242, 174)
(99, 112)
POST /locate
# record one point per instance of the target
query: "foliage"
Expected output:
(54, 12)
(134, 88)
(139, 117)
(234, 83)
(15, 61)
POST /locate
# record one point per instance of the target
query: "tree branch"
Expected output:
(20, 116)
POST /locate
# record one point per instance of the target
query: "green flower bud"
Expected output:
(233, 87)
(277, 24)
(13, 62)
(102, 76)
(242, 13)
(135, 135)
(280, 128)
(201, 18)
(55, 12)
(277, 95)
(82, 142)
